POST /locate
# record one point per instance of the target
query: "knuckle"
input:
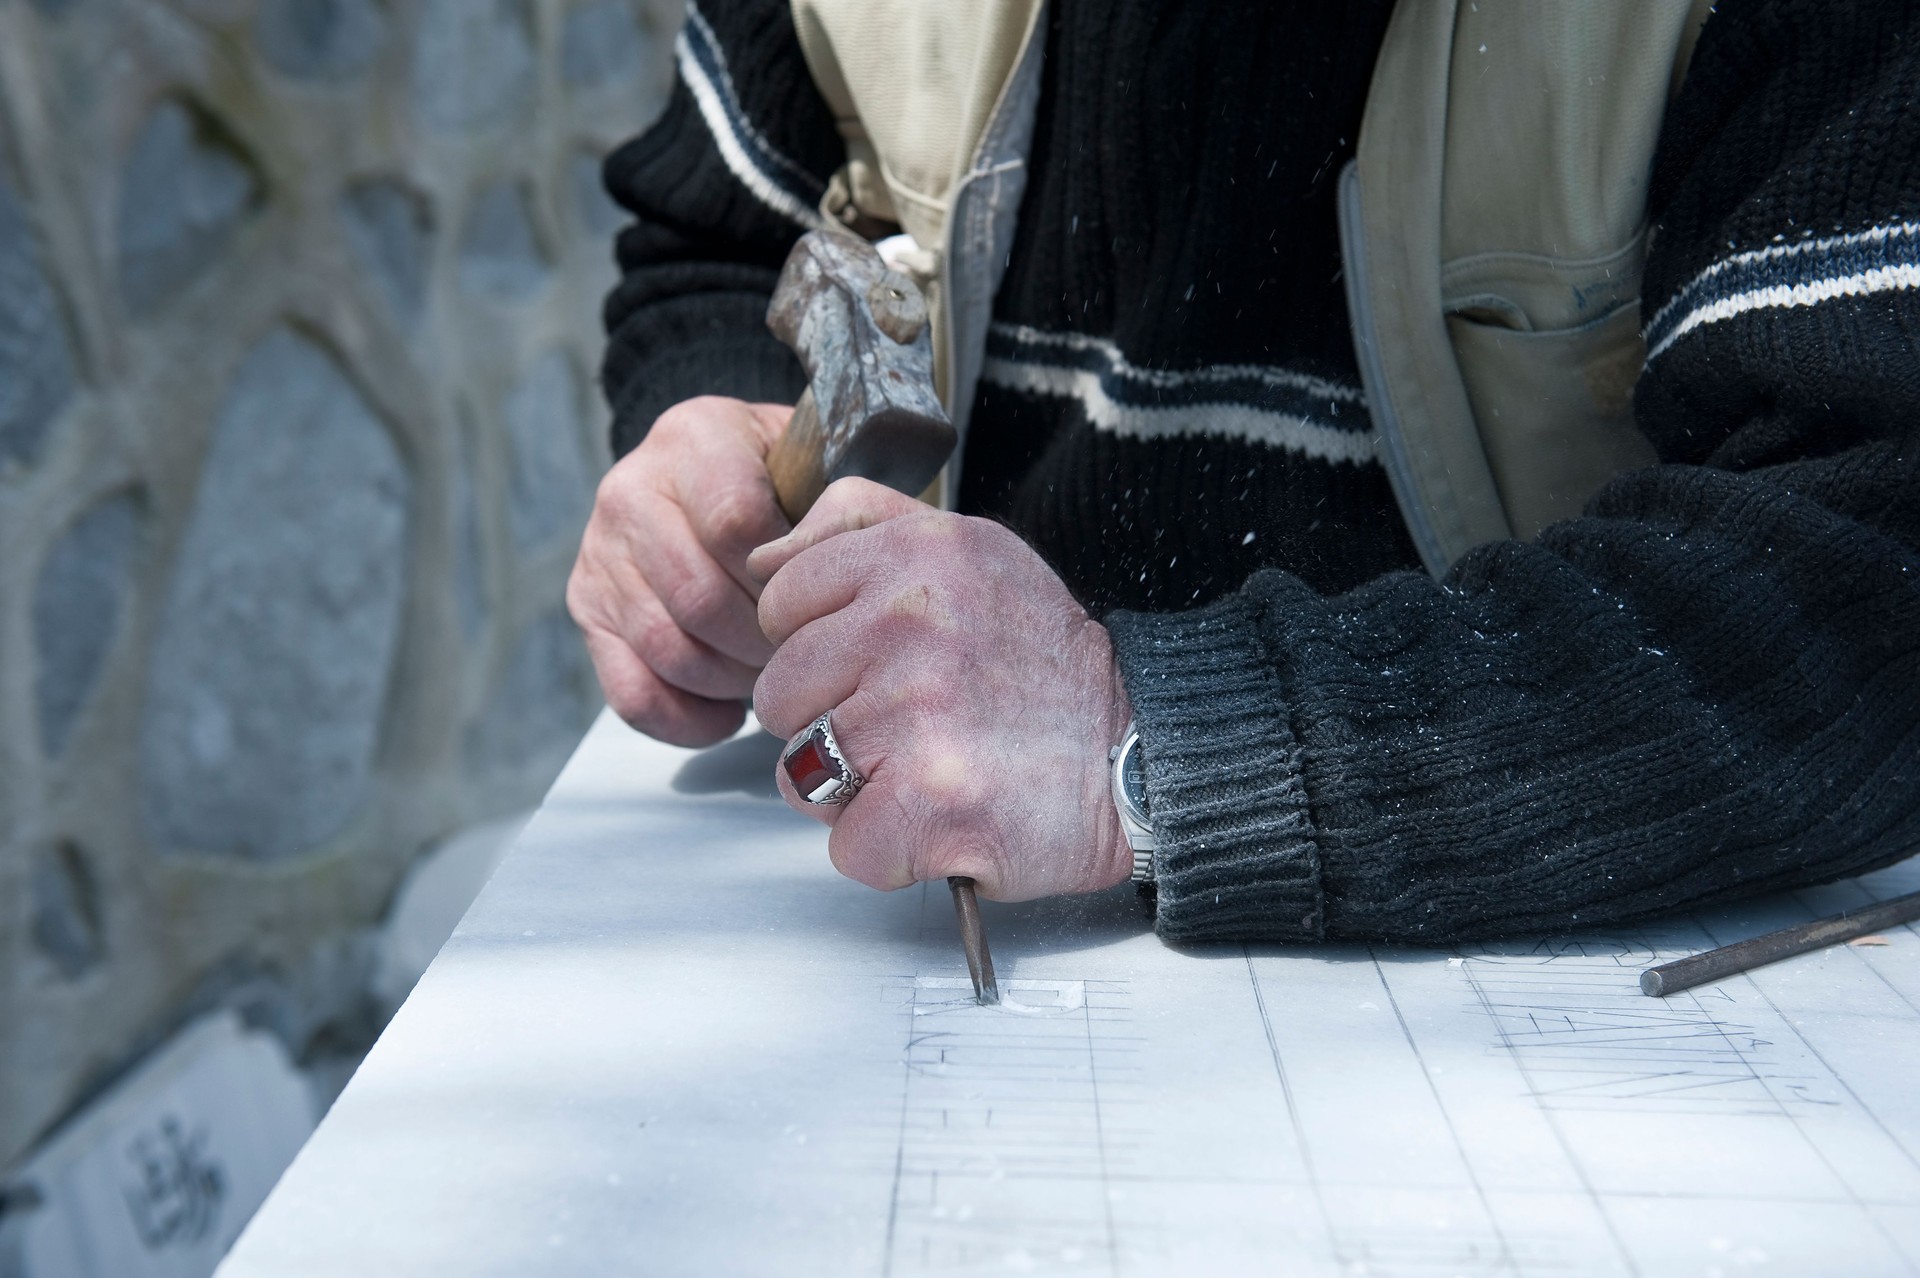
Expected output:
(944, 526)
(911, 602)
(652, 632)
(681, 661)
(677, 422)
(915, 611)
(739, 517)
(702, 408)
(589, 591)
(697, 602)
(692, 423)
(618, 488)
(981, 538)
(668, 654)
(635, 707)
(581, 597)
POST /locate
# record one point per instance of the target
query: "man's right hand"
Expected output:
(661, 587)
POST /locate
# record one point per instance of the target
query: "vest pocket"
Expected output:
(1554, 408)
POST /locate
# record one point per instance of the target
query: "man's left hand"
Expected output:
(976, 697)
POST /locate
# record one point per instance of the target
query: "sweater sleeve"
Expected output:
(720, 187)
(1708, 685)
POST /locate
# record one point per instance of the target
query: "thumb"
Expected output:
(847, 505)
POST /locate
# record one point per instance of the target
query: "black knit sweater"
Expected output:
(1707, 686)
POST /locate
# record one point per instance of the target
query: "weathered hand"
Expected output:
(661, 589)
(977, 698)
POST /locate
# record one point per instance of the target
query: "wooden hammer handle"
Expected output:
(798, 460)
(798, 463)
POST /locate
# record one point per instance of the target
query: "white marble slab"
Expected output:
(668, 1039)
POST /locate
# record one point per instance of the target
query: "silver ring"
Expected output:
(819, 772)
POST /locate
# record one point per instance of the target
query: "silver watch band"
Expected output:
(1143, 865)
(1129, 800)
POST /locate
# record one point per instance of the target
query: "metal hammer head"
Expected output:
(860, 329)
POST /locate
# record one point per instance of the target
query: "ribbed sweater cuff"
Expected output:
(1237, 858)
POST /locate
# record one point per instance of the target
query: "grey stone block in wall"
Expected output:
(36, 365)
(270, 670)
(183, 190)
(542, 706)
(65, 903)
(500, 255)
(473, 65)
(392, 230)
(78, 600)
(320, 39)
(548, 488)
(600, 43)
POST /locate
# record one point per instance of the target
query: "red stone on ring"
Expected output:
(809, 766)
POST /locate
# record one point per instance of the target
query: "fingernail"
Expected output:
(753, 568)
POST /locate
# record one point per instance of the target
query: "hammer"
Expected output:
(860, 330)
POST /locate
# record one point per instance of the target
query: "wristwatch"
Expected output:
(1130, 797)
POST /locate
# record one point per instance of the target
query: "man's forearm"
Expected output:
(1711, 690)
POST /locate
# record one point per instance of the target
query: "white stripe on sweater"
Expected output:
(1172, 421)
(1120, 366)
(726, 121)
(1807, 292)
(1886, 279)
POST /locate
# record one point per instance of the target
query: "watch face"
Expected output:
(1133, 780)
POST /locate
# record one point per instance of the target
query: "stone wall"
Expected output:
(298, 321)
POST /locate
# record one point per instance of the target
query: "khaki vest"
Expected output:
(1493, 222)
